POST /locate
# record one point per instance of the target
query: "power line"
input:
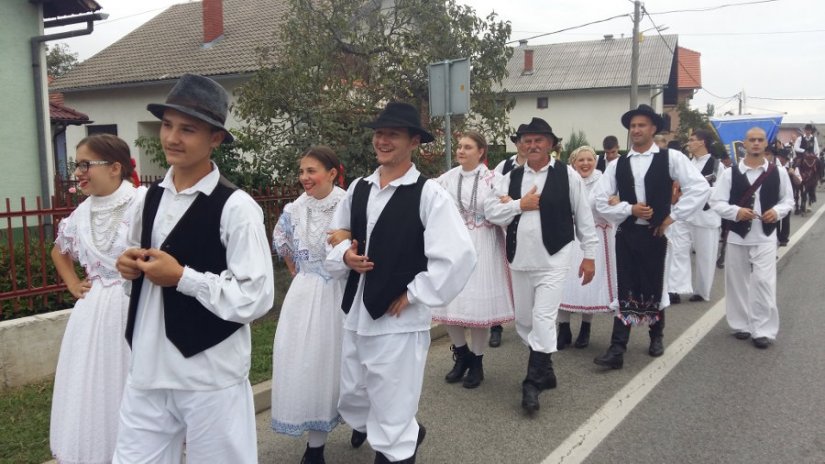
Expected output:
(570, 28)
(789, 99)
(711, 8)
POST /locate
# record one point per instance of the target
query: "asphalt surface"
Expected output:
(724, 402)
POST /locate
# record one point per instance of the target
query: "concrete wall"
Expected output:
(596, 112)
(20, 20)
(126, 107)
(29, 347)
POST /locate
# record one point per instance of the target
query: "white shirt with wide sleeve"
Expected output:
(797, 145)
(531, 254)
(242, 293)
(451, 256)
(720, 202)
(706, 218)
(695, 189)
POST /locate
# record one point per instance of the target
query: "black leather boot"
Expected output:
(584, 336)
(540, 376)
(614, 356)
(564, 337)
(422, 433)
(357, 439)
(460, 356)
(313, 455)
(495, 336)
(476, 373)
(656, 332)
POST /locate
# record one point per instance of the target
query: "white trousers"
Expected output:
(537, 296)
(217, 426)
(750, 287)
(381, 380)
(677, 262)
(705, 242)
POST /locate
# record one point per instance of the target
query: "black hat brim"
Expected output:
(657, 119)
(158, 109)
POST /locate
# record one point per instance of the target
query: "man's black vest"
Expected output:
(554, 210)
(195, 241)
(658, 186)
(509, 164)
(709, 172)
(768, 198)
(396, 246)
(807, 144)
(601, 164)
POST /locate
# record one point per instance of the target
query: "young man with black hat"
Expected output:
(409, 251)
(753, 189)
(543, 200)
(200, 272)
(643, 181)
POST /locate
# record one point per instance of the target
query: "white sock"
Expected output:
(564, 316)
(478, 340)
(316, 439)
(457, 335)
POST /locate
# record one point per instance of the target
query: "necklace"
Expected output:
(472, 204)
(318, 216)
(105, 225)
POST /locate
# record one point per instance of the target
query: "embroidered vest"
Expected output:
(768, 198)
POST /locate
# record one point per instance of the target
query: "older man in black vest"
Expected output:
(541, 201)
(643, 181)
(409, 251)
(753, 189)
(201, 271)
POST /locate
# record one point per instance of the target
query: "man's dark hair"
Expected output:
(704, 136)
(610, 142)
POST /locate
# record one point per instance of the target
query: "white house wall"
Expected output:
(126, 107)
(596, 112)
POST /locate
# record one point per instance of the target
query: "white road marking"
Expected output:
(579, 444)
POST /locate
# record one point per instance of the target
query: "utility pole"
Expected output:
(634, 57)
(741, 98)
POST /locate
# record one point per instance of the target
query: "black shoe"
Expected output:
(761, 342)
(695, 298)
(783, 243)
(564, 337)
(611, 358)
(529, 397)
(476, 373)
(381, 459)
(461, 358)
(720, 264)
(357, 439)
(742, 335)
(495, 336)
(657, 347)
(674, 298)
(313, 456)
(584, 336)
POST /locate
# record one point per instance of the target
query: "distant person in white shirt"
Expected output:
(754, 194)
(200, 271)
(540, 203)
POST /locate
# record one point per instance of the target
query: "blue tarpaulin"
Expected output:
(732, 130)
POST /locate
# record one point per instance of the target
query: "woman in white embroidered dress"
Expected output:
(487, 299)
(94, 356)
(307, 352)
(596, 296)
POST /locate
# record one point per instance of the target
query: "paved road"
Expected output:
(723, 401)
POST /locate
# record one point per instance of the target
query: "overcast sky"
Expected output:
(770, 50)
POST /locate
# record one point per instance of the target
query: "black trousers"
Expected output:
(640, 266)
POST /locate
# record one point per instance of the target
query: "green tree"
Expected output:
(576, 140)
(691, 120)
(340, 61)
(59, 59)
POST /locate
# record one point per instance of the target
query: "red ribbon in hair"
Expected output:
(341, 175)
(135, 178)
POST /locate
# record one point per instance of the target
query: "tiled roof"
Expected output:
(170, 45)
(689, 74)
(591, 65)
(58, 112)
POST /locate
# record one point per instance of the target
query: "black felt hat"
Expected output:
(537, 126)
(644, 110)
(398, 114)
(514, 138)
(199, 97)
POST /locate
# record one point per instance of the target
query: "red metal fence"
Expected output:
(29, 283)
